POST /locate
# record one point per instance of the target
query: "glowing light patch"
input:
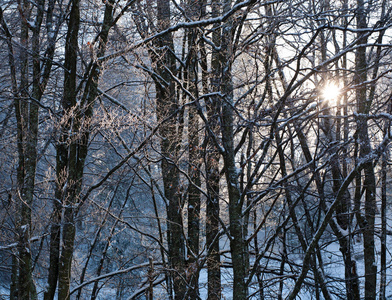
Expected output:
(331, 92)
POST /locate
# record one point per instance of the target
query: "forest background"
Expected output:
(181, 149)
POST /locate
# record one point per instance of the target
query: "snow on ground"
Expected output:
(333, 267)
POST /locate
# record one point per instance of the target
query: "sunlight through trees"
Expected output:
(220, 149)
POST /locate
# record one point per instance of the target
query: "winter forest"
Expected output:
(185, 149)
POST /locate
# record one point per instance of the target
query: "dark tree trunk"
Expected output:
(194, 163)
(212, 157)
(363, 106)
(26, 112)
(66, 156)
(171, 134)
(384, 183)
(25, 165)
(383, 254)
(71, 151)
(237, 239)
(27, 117)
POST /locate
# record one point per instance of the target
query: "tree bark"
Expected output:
(72, 148)
(27, 117)
(237, 240)
(384, 183)
(212, 158)
(194, 161)
(66, 153)
(363, 106)
(167, 106)
(26, 111)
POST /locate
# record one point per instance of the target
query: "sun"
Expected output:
(331, 92)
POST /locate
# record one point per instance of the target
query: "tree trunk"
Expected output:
(213, 210)
(167, 106)
(212, 157)
(363, 106)
(237, 241)
(384, 183)
(194, 165)
(66, 154)
(27, 117)
(383, 254)
(26, 112)
(71, 151)
(24, 191)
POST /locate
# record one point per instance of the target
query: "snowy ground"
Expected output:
(333, 266)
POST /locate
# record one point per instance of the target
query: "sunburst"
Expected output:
(331, 92)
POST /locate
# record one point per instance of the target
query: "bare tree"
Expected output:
(160, 140)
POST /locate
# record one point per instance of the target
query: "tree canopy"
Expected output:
(188, 149)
